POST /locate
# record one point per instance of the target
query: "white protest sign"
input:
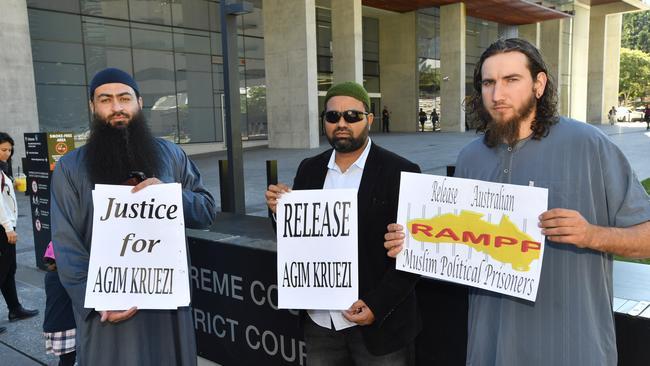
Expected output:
(317, 249)
(472, 232)
(138, 255)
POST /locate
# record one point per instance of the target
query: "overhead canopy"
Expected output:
(513, 12)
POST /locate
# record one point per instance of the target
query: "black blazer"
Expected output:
(387, 292)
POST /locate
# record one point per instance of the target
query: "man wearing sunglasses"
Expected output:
(379, 328)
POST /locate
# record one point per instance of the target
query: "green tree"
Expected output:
(636, 31)
(634, 79)
(429, 79)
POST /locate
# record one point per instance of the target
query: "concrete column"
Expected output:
(604, 50)
(17, 86)
(291, 73)
(579, 67)
(452, 66)
(347, 41)
(553, 53)
(531, 33)
(398, 72)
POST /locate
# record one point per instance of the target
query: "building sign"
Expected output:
(42, 151)
(476, 233)
(235, 306)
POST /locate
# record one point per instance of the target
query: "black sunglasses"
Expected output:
(350, 116)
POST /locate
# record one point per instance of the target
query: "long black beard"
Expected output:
(113, 152)
(508, 131)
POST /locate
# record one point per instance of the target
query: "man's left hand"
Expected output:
(359, 313)
(567, 226)
(145, 183)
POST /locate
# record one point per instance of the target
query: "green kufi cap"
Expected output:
(349, 89)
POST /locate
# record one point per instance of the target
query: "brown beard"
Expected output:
(113, 152)
(508, 131)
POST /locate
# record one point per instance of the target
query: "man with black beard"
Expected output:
(597, 209)
(379, 328)
(121, 150)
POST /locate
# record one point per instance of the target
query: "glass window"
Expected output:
(256, 98)
(48, 25)
(217, 77)
(196, 125)
(99, 58)
(253, 23)
(59, 73)
(214, 10)
(254, 47)
(371, 68)
(105, 8)
(191, 14)
(152, 37)
(106, 32)
(191, 41)
(62, 108)
(324, 64)
(215, 44)
(57, 52)
(151, 11)
(371, 83)
(71, 6)
(196, 83)
(154, 72)
(370, 39)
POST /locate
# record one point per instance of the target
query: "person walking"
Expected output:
(434, 120)
(8, 235)
(646, 116)
(612, 116)
(423, 118)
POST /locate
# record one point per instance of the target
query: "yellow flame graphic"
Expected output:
(503, 242)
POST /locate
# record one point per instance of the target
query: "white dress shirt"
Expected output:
(334, 179)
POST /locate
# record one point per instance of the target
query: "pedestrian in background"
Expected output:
(8, 235)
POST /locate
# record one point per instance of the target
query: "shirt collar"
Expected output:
(360, 162)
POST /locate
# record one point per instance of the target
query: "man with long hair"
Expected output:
(597, 209)
(121, 150)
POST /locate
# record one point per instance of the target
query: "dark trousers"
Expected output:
(8, 271)
(385, 125)
(329, 347)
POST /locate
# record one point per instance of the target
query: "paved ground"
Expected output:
(23, 344)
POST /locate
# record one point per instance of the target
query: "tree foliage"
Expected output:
(634, 79)
(636, 31)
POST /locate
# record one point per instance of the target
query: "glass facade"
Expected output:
(428, 33)
(479, 35)
(370, 31)
(173, 49)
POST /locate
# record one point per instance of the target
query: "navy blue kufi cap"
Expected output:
(112, 75)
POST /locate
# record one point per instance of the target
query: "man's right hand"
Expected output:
(274, 193)
(116, 316)
(12, 237)
(394, 239)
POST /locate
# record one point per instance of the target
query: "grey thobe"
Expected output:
(150, 337)
(571, 322)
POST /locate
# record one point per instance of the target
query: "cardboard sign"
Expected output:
(138, 255)
(317, 249)
(472, 232)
